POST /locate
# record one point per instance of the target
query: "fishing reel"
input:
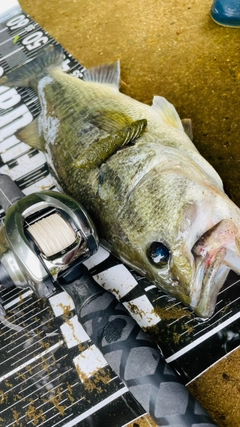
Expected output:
(44, 239)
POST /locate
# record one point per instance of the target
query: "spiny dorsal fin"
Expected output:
(167, 112)
(106, 74)
(187, 126)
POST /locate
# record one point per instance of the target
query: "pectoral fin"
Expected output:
(167, 112)
(30, 136)
(105, 147)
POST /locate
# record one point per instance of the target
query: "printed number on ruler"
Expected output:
(20, 38)
(32, 41)
(17, 22)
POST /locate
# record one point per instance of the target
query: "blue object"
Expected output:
(226, 12)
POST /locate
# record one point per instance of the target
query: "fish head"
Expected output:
(184, 237)
(201, 264)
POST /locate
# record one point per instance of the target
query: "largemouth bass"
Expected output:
(157, 204)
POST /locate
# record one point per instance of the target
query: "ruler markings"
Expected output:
(33, 359)
(202, 338)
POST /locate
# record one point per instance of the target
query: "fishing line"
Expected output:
(52, 234)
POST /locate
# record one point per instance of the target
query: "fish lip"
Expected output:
(205, 289)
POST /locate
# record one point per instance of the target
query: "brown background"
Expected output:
(170, 48)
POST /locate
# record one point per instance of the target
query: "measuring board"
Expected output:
(51, 374)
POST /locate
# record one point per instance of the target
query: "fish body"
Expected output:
(157, 203)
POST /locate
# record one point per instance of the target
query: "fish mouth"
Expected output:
(215, 254)
(209, 279)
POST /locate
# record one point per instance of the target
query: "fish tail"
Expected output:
(30, 73)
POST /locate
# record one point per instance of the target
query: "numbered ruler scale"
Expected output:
(57, 377)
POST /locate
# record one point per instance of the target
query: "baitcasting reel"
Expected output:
(45, 237)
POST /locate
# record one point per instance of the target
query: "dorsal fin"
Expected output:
(106, 74)
(167, 112)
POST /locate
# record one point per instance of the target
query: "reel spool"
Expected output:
(46, 236)
(52, 234)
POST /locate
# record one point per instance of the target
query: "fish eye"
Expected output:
(158, 254)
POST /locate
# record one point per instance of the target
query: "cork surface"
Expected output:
(170, 48)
